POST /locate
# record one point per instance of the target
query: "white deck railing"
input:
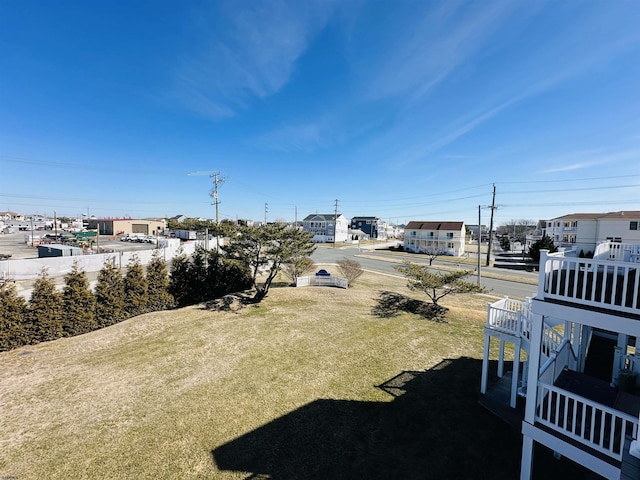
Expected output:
(623, 252)
(555, 361)
(551, 340)
(589, 423)
(610, 284)
(510, 316)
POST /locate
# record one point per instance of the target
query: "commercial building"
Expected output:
(122, 226)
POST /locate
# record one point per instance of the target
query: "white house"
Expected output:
(447, 238)
(327, 228)
(583, 231)
(578, 360)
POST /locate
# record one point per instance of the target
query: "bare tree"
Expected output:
(517, 229)
(433, 253)
(349, 269)
(296, 267)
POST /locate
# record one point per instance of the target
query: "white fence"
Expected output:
(322, 281)
(609, 284)
(510, 316)
(590, 423)
(27, 269)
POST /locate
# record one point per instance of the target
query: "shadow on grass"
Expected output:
(433, 428)
(231, 302)
(391, 304)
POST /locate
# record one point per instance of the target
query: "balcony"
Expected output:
(609, 281)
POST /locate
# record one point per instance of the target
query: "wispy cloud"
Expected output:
(326, 131)
(559, 60)
(585, 159)
(431, 44)
(243, 51)
(306, 137)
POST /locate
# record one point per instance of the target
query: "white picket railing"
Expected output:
(322, 281)
(555, 361)
(624, 252)
(610, 284)
(551, 340)
(510, 316)
(589, 423)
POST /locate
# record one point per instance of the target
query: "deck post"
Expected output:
(501, 359)
(526, 464)
(584, 342)
(516, 373)
(485, 363)
(619, 355)
(537, 322)
(542, 273)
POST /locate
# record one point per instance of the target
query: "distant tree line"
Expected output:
(252, 260)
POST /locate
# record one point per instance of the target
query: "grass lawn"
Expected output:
(308, 384)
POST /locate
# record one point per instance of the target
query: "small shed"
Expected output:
(58, 250)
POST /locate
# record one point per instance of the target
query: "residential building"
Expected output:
(180, 218)
(583, 231)
(447, 238)
(373, 227)
(576, 361)
(473, 230)
(327, 228)
(8, 216)
(120, 226)
(536, 235)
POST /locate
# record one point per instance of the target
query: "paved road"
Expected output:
(385, 263)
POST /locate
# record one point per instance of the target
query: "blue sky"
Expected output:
(397, 109)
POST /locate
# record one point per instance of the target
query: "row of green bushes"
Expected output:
(50, 314)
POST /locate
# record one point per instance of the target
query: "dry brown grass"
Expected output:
(154, 396)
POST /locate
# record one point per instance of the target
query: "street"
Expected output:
(384, 262)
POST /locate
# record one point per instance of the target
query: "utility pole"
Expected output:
(217, 180)
(493, 207)
(335, 223)
(266, 209)
(479, 238)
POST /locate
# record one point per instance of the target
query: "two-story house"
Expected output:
(373, 227)
(576, 361)
(446, 238)
(583, 231)
(327, 228)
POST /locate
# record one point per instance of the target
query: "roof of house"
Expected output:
(598, 216)
(422, 225)
(321, 216)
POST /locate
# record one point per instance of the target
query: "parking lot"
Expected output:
(17, 245)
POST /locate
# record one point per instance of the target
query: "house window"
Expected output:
(450, 235)
(450, 245)
(574, 224)
(413, 233)
(633, 225)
